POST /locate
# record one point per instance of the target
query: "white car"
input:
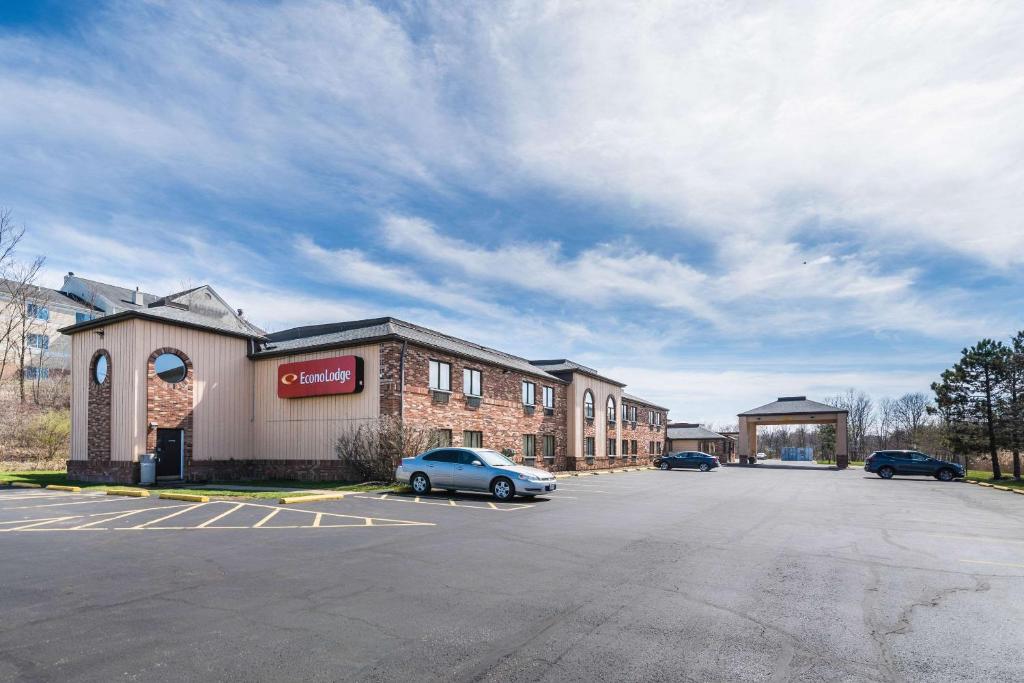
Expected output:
(761, 456)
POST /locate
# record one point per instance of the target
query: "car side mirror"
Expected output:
(477, 463)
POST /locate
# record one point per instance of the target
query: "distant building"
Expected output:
(690, 436)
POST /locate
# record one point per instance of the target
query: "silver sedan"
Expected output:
(472, 469)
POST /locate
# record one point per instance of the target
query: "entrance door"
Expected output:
(170, 453)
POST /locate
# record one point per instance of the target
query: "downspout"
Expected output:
(401, 385)
(252, 392)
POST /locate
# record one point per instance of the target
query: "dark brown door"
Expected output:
(168, 453)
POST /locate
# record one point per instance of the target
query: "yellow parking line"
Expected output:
(998, 564)
(980, 539)
(220, 516)
(451, 501)
(369, 521)
(173, 514)
(493, 506)
(316, 521)
(266, 519)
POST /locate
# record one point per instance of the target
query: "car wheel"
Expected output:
(945, 475)
(664, 466)
(704, 467)
(502, 489)
(420, 483)
(886, 472)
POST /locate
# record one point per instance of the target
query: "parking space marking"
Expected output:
(99, 499)
(997, 564)
(306, 519)
(447, 502)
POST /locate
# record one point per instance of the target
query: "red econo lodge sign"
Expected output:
(340, 375)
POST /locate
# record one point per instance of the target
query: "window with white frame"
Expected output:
(472, 382)
(37, 311)
(440, 376)
(38, 341)
(473, 439)
(588, 446)
(611, 409)
(549, 397)
(549, 447)
(611, 448)
(588, 405)
(529, 393)
(529, 446)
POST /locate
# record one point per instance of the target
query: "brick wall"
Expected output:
(99, 467)
(169, 405)
(500, 416)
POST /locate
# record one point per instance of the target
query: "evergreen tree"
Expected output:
(1011, 403)
(969, 397)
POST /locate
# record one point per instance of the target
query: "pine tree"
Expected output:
(1011, 403)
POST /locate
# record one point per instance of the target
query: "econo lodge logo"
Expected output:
(326, 376)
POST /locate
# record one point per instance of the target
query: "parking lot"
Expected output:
(738, 574)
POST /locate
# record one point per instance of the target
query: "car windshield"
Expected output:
(494, 458)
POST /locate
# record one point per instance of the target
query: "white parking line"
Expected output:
(160, 519)
(220, 516)
(119, 516)
(99, 499)
(266, 519)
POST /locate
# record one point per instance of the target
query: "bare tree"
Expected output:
(860, 418)
(17, 292)
(912, 414)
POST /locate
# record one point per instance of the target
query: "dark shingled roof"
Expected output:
(798, 405)
(37, 294)
(336, 335)
(699, 433)
(121, 296)
(637, 399)
(559, 366)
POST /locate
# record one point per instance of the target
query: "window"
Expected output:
(549, 447)
(625, 447)
(99, 369)
(611, 409)
(588, 405)
(471, 382)
(650, 450)
(529, 446)
(632, 413)
(588, 446)
(529, 397)
(170, 368)
(33, 372)
(549, 397)
(611, 448)
(650, 417)
(659, 447)
(38, 312)
(82, 317)
(441, 438)
(440, 376)
(39, 341)
(444, 456)
(633, 446)
(473, 439)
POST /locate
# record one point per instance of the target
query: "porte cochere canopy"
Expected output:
(791, 410)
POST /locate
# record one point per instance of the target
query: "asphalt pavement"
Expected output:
(758, 574)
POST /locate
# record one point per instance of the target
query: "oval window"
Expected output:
(170, 368)
(99, 371)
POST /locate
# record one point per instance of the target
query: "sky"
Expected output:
(717, 203)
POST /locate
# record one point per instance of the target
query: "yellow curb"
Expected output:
(1020, 491)
(969, 481)
(288, 500)
(60, 487)
(187, 497)
(1001, 488)
(25, 485)
(987, 485)
(135, 493)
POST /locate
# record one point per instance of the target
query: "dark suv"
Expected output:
(888, 463)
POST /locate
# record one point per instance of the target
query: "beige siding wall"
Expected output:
(222, 401)
(307, 428)
(601, 391)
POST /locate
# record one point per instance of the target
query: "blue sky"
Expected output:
(717, 203)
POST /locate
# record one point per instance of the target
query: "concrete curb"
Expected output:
(135, 493)
(985, 484)
(61, 487)
(25, 485)
(594, 473)
(289, 500)
(187, 497)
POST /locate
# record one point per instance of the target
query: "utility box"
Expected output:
(147, 469)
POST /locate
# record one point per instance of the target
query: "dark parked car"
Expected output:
(695, 459)
(888, 463)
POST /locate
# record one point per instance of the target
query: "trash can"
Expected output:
(147, 469)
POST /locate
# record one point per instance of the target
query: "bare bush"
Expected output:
(373, 450)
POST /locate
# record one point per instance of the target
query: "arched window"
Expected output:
(170, 367)
(588, 405)
(100, 368)
(611, 409)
